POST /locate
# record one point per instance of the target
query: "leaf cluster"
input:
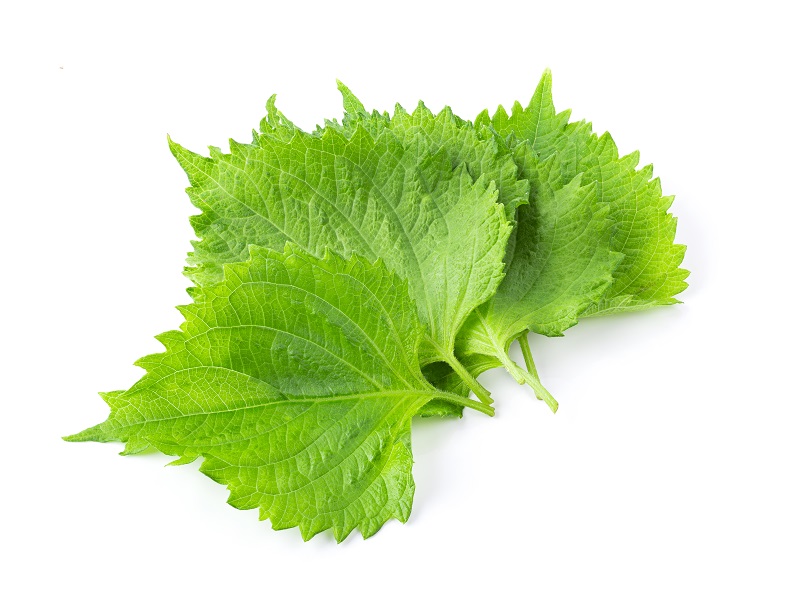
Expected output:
(351, 278)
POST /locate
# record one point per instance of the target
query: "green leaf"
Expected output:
(596, 238)
(379, 196)
(642, 230)
(445, 133)
(561, 265)
(558, 262)
(295, 379)
(442, 376)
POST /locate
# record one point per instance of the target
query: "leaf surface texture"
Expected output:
(295, 379)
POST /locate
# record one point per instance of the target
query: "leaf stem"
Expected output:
(466, 402)
(524, 377)
(525, 346)
(480, 392)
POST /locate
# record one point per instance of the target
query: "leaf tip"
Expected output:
(90, 434)
(184, 459)
(352, 105)
(546, 82)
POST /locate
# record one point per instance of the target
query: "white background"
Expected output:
(668, 479)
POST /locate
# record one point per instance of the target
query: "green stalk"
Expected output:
(525, 346)
(523, 377)
(466, 402)
(480, 392)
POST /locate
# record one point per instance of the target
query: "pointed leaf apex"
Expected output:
(544, 91)
(547, 79)
(352, 105)
(271, 107)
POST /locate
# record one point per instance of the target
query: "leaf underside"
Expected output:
(558, 261)
(341, 275)
(295, 379)
(377, 196)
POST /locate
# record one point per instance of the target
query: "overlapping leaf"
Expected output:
(444, 133)
(379, 196)
(561, 265)
(643, 230)
(595, 238)
(295, 379)
(559, 262)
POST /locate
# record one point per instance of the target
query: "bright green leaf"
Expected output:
(558, 262)
(443, 133)
(596, 238)
(643, 230)
(379, 197)
(295, 379)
